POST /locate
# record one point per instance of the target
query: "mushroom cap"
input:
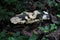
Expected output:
(45, 12)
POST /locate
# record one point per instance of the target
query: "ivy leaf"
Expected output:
(11, 38)
(40, 28)
(58, 15)
(33, 37)
(53, 26)
(46, 29)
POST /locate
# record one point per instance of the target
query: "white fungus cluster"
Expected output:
(29, 17)
(25, 17)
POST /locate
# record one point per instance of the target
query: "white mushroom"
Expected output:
(45, 12)
(34, 14)
(15, 20)
(45, 16)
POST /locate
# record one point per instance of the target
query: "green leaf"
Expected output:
(40, 28)
(46, 29)
(11, 38)
(44, 38)
(2, 34)
(33, 37)
(53, 26)
(58, 15)
(16, 34)
(20, 38)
